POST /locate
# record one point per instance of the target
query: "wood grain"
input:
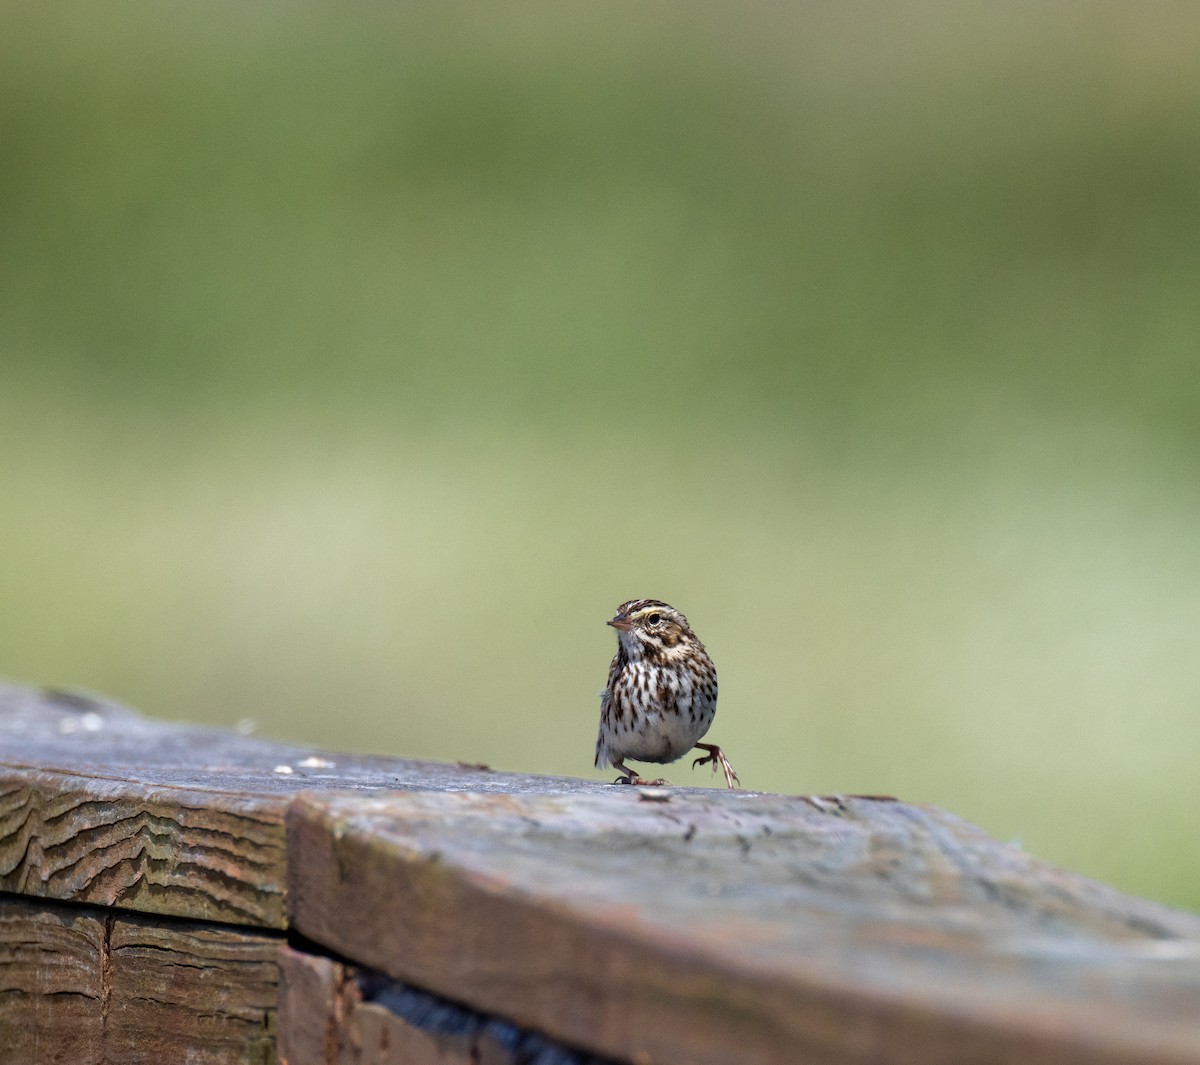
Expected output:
(52, 989)
(203, 855)
(184, 991)
(696, 928)
(728, 927)
(84, 985)
(100, 805)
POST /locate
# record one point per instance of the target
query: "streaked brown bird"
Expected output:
(661, 695)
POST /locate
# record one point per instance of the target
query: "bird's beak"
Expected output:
(621, 622)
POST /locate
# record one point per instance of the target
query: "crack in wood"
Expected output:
(106, 979)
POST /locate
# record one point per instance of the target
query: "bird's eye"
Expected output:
(654, 619)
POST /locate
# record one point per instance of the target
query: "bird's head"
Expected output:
(651, 627)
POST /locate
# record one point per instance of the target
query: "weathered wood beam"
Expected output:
(671, 927)
(701, 929)
(91, 986)
(100, 805)
(52, 982)
(168, 849)
(335, 1013)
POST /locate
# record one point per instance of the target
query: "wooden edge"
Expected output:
(335, 1013)
(90, 986)
(591, 970)
(100, 805)
(165, 850)
(316, 995)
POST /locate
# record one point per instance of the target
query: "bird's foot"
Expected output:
(716, 757)
(628, 776)
(641, 782)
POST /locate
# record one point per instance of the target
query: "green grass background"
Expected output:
(357, 360)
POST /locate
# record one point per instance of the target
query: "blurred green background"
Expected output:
(357, 361)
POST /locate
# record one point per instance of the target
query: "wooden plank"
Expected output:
(85, 985)
(171, 850)
(75, 734)
(334, 1013)
(51, 983)
(99, 805)
(315, 997)
(324, 1020)
(711, 928)
(183, 991)
(695, 928)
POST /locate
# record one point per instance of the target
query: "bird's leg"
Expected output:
(716, 757)
(631, 777)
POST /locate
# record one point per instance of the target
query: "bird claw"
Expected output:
(716, 757)
(641, 782)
